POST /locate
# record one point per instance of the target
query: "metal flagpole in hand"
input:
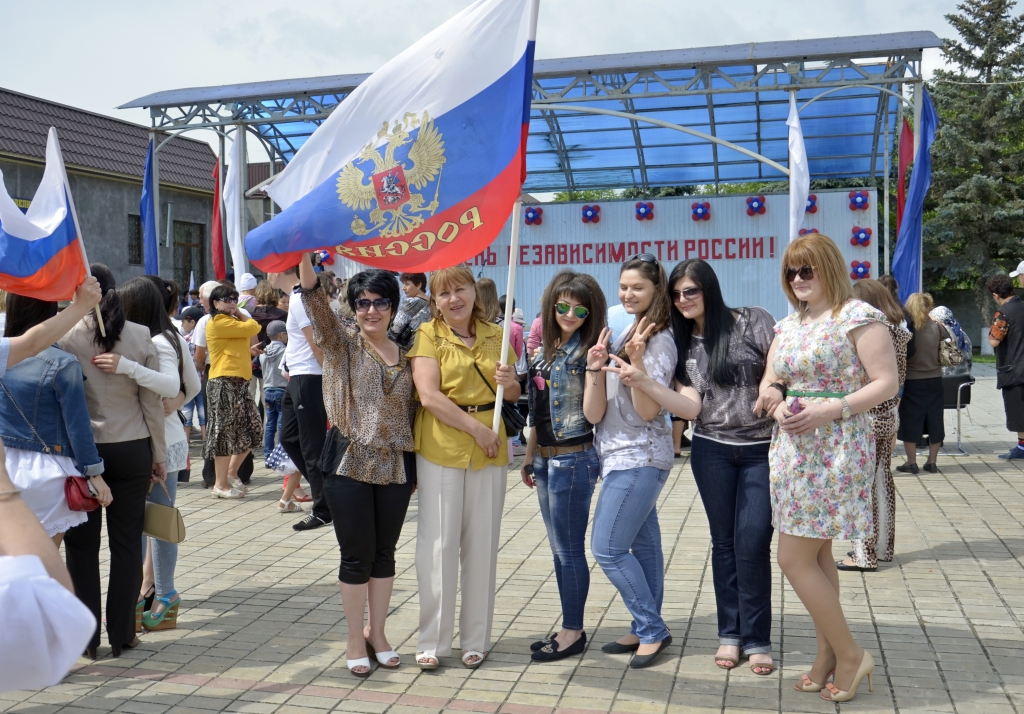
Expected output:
(513, 255)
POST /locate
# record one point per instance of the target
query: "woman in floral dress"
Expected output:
(835, 360)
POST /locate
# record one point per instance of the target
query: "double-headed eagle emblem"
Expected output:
(398, 209)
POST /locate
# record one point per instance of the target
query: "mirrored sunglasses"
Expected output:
(579, 311)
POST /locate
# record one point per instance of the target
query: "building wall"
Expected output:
(103, 205)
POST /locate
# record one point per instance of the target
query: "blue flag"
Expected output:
(906, 261)
(147, 214)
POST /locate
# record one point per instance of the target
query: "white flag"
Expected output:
(233, 209)
(799, 173)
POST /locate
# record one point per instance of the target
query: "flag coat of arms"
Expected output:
(40, 251)
(418, 168)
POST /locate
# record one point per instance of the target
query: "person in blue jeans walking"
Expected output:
(722, 354)
(274, 384)
(561, 461)
(634, 441)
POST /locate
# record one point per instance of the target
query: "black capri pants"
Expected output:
(368, 521)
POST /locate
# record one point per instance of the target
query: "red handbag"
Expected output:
(76, 488)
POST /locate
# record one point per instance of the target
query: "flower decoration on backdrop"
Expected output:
(534, 215)
(755, 205)
(859, 200)
(701, 211)
(326, 257)
(812, 204)
(806, 231)
(644, 211)
(592, 214)
(861, 236)
(860, 270)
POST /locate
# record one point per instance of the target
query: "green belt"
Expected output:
(801, 393)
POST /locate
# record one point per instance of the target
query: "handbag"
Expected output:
(949, 353)
(510, 414)
(77, 490)
(163, 522)
(335, 446)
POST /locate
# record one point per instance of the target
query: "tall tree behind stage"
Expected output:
(974, 215)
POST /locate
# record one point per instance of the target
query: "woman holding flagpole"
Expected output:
(461, 466)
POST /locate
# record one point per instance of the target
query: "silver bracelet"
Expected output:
(12, 492)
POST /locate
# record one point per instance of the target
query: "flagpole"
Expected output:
(513, 255)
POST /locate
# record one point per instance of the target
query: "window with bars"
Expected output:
(134, 240)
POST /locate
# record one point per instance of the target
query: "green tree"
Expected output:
(974, 214)
(599, 194)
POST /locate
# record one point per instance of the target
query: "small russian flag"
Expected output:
(41, 255)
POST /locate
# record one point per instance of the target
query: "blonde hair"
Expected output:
(449, 279)
(919, 305)
(487, 297)
(818, 251)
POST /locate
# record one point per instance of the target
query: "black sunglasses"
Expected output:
(806, 273)
(643, 258)
(686, 294)
(379, 304)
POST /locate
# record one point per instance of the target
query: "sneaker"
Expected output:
(1014, 453)
(310, 522)
(229, 493)
(290, 507)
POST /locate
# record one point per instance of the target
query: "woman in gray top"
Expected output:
(921, 406)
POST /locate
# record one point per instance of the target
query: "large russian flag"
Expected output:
(419, 167)
(40, 254)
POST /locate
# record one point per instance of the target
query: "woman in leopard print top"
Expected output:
(368, 393)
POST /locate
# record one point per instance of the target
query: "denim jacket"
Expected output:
(50, 390)
(568, 372)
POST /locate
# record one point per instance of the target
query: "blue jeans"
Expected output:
(196, 405)
(165, 555)
(626, 541)
(565, 485)
(273, 397)
(733, 484)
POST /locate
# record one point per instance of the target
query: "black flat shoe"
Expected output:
(840, 565)
(907, 469)
(616, 648)
(551, 653)
(931, 468)
(90, 653)
(543, 643)
(641, 661)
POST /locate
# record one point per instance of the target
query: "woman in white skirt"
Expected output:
(177, 381)
(44, 423)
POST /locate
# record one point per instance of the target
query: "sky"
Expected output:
(98, 54)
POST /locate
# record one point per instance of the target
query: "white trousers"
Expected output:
(459, 522)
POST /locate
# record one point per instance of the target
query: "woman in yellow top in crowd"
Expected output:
(462, 467)
(233, 423)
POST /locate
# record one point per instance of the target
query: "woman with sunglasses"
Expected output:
(560, 457)
(368, 394)
(722, 354)
(634, 441)
(835, 359)
(233, 422)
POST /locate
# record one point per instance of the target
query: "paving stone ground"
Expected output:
(261, 628)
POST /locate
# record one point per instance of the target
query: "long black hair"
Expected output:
(110, 309)
(143, 303)
(24, 313)
(718, 324)
(168, 292)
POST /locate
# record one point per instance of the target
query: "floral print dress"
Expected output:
(821, 482)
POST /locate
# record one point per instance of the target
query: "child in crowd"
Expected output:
(274, 383)
(189, 317)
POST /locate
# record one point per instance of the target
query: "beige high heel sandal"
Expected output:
(867, 666)
(806, 684)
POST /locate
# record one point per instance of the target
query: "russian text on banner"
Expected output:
(419, 167)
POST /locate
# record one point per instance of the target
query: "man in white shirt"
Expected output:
(304, 419)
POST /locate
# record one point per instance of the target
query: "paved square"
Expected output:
(261, 628)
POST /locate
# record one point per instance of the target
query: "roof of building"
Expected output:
(98, 142)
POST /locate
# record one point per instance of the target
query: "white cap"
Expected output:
(247, 282)
(1019, 270)
(517, 316)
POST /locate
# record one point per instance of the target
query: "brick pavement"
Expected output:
(261, 627)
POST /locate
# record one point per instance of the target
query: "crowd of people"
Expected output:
(371, 398)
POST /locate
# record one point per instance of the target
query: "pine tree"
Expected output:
(974, 216)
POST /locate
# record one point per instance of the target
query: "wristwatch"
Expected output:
(528, 469)
(846, 408)
(780, 386)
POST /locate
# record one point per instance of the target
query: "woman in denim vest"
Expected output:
(560, 457)
(42, 407)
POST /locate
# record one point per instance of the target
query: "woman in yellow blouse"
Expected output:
(462, 466)
(233, 423)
